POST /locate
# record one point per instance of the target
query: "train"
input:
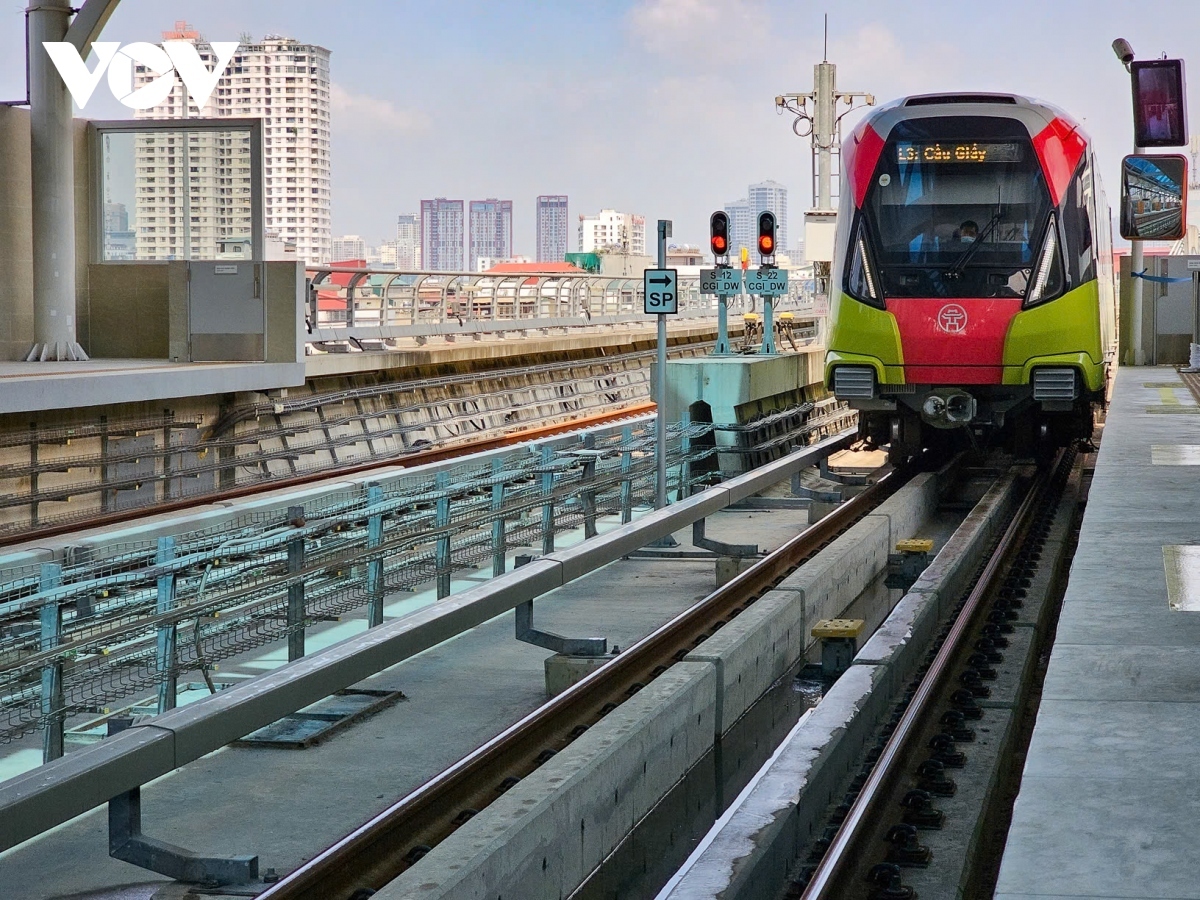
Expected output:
(971, 289)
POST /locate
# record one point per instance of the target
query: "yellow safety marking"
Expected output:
(1167, 396)
(1175, 454)
(838, 628)
(1182, 564)
(915, 545)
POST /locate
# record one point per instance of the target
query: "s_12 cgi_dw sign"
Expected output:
(661, 291)
(723, 280)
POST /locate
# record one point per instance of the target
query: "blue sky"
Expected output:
(661, 107)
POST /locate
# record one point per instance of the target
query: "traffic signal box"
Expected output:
(766, 235)
(719, 230)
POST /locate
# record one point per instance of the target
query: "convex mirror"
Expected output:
(1153, 197)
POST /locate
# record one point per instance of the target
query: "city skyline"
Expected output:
(611, 105)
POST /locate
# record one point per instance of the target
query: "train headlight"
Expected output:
(861, 281)
(1048, 278)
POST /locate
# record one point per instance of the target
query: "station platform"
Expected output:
(1110, 795)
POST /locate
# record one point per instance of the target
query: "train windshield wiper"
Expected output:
(965, 257)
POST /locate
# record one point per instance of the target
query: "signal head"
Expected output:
(718, 226)
(766, 234)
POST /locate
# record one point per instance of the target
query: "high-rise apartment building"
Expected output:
(613, 231)
(442, 235)
(770, 196)
(193, 198)
(349, 246)
(408, 242)
(552, 228)
(120, 241)
(743, 218)
(742, 227)
(490, 231)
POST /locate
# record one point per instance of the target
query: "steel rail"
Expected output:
(378, 851)
(843, 854)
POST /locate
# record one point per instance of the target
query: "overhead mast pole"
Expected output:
(823, 125)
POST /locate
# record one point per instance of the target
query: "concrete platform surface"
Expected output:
(1109, 804)
(287, 805)
(28, 387)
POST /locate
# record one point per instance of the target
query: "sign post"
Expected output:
(768, 282)
(661, 293)
(725, 282)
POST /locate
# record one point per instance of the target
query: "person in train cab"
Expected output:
(967, 232)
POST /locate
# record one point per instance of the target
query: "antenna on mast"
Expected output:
(825, 56)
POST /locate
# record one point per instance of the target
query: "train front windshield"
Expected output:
(956, 208)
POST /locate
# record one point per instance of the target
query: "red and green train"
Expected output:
(971, 287)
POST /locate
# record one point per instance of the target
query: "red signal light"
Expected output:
(766, 234)
(719, 231)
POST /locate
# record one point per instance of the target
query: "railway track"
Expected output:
(383, 848)
(949, 735)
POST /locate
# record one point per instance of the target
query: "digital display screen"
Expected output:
(1159, 104)
(960, 152)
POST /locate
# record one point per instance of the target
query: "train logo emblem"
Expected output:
(952, 319)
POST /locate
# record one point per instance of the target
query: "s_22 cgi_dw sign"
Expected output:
(767, 282)
(661, 291)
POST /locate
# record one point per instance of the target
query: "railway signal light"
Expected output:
(766, 234)
(718, 227)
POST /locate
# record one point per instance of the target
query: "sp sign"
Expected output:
(661, 292)
(119, 62)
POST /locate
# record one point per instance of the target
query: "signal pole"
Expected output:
(823, 123)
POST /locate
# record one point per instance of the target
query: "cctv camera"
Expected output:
(1123, 50)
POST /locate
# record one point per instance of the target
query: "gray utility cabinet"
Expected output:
(227, 319)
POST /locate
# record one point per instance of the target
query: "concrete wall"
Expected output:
(140, 311)
(16, 234)
(285, 311)
(128, 311)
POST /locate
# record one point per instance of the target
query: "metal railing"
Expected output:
(80, 635)
(375, 305)
(56, 792)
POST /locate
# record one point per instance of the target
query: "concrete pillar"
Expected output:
(53, 168)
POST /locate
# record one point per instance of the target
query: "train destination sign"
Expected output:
(959, 152)
(767, 282)
(723, 280)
